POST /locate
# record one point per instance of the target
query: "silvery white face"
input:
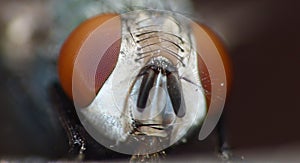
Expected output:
(154, 94)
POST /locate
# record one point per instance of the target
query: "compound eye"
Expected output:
(214, 71)
(210, 48)
(93, 46)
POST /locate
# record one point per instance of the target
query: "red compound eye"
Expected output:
(73, 46)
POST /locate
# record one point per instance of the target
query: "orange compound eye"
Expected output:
(215, 73)
(76, 47)
(207, 45)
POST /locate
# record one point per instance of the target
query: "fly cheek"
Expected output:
(205, 76)
(73, 52)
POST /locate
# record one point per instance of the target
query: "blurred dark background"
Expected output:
(263, 42)
(262, 38)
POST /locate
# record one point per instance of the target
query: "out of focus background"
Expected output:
(262, 38)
